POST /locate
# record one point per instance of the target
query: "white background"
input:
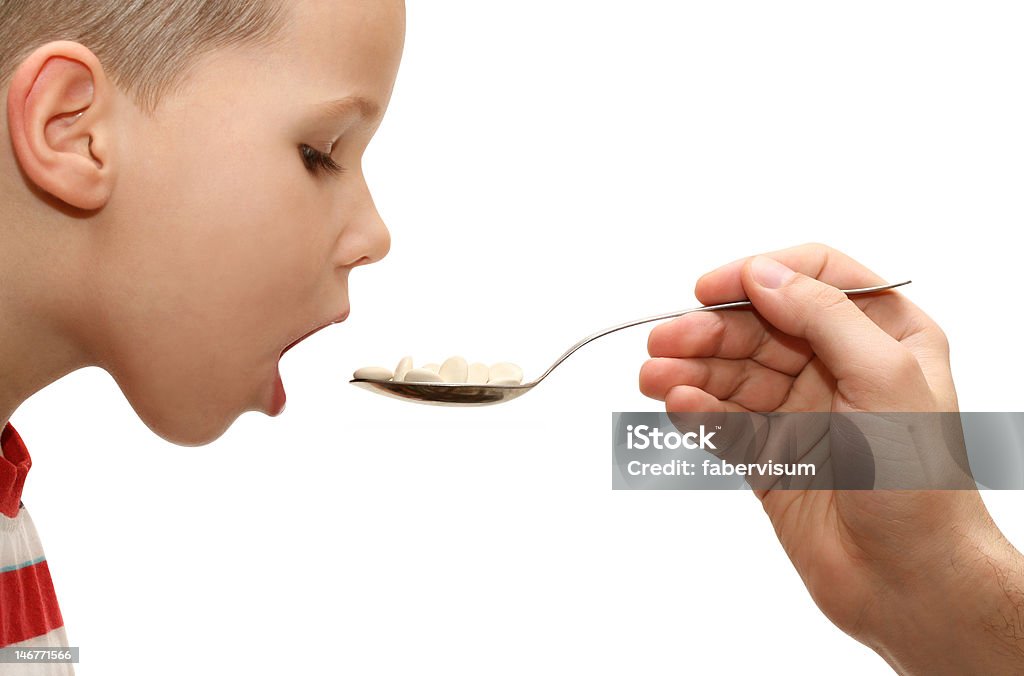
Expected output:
(548, 169)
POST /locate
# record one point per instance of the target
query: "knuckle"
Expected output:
(936, 335)
(817, 250)
(903, 364)
(826, 310)
(830, 300)
(941, 339)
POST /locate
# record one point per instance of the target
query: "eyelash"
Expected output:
(318, 162)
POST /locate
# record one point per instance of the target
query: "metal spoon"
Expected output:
(462, 394)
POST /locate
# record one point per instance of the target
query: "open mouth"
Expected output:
(342, 317)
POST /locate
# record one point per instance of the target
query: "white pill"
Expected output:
(422, 376)
(504, 382)
(505, 370)
(478, 373)
(373, 373)
(431, 367)
(454, 370)
(404, 366)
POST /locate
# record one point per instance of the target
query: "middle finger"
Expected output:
(730, 334)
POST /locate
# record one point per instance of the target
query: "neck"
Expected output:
(35, 348)
(29, 361)
(42, 301)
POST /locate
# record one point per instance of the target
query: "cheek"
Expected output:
(261, 241)
(216, 257)
(211, 281)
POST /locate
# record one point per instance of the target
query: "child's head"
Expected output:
(174, 208)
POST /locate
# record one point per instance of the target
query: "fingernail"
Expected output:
(770, 273)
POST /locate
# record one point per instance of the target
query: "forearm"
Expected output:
(963, 616)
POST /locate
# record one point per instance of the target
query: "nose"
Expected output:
(368, 239)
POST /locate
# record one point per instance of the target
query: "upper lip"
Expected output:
(340, 318)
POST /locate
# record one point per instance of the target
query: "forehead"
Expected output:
(339, 48)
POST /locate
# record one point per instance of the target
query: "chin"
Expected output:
(184, 414)
(191, 435)
(202, 428)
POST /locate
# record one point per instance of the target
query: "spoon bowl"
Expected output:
(463, 394)
(445, 394)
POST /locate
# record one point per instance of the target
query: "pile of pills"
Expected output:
(453, 370)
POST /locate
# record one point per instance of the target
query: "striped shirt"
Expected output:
(29, 614)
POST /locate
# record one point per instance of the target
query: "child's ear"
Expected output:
(59, 114)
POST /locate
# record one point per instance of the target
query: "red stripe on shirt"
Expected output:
(14, 466)
(28, 604)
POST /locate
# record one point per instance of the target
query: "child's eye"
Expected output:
(317, 162)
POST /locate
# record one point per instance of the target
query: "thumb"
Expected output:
(847, 341)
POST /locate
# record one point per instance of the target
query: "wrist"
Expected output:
(963, 612)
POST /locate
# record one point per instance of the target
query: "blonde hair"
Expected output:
(145, 46)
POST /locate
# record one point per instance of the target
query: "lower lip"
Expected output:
(278, 400)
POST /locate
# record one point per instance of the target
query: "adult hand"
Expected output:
(922, 577)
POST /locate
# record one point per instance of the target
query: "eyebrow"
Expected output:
(339, 107)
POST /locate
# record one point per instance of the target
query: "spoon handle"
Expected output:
(680, 313)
